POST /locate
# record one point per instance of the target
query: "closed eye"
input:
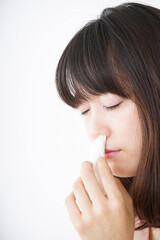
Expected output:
(83, 113)
(108, 108)
(112, 107)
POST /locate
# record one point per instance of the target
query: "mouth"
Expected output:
(111, 153)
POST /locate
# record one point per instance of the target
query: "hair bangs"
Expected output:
(89, 66)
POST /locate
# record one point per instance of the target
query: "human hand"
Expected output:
(98, 216)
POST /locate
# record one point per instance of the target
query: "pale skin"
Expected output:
(107, 214)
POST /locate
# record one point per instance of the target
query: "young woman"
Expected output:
(110, 71)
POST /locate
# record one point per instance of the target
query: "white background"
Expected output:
(42, 141)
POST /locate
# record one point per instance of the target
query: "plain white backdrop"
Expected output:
(42, 141)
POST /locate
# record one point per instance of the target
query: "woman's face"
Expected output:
(120, 125)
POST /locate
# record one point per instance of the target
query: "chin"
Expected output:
(119, 171)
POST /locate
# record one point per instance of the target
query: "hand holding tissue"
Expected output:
(100, 209)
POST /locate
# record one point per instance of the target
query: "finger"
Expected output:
(108, 181)
(73, 210)
(91, 183)
(82, 196)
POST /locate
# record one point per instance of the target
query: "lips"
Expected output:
(111, 153)
(110, 150)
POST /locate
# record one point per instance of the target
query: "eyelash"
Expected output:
(108, 109)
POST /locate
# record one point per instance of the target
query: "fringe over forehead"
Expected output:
(109, 54)
(93, 63)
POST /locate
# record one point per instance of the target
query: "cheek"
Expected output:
(130, 129)
(88, 129)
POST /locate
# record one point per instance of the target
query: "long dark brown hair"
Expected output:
(120, 53)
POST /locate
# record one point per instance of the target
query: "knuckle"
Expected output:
(85, 164)
(79, 226)
(86, 223)
(118, 204)
(77, 184)
(89, 220)
(101, 211)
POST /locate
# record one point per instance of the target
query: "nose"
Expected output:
(97, 125)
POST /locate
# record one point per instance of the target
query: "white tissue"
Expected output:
(97, 150)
